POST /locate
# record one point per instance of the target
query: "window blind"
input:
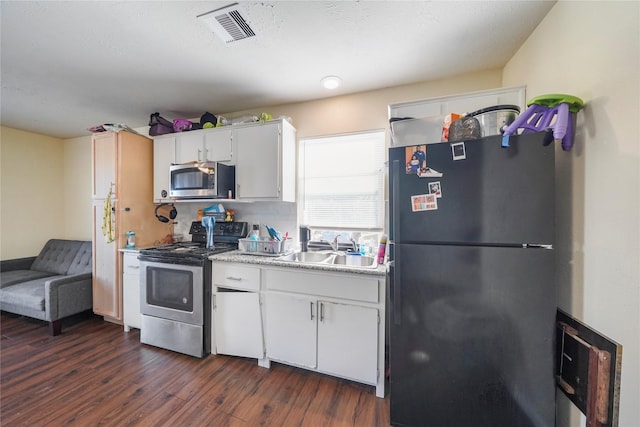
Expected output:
(342, 180)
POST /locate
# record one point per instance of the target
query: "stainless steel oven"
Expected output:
(175, 289)
(172, 301)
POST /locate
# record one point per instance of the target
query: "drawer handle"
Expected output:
(133, 266)
(237, 279)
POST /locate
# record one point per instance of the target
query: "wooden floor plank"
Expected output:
(95, 374)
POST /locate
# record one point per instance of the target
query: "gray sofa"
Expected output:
(54, 285)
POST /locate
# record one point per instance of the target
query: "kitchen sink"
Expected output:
(330, 258)
(313, 257)
(355, 260)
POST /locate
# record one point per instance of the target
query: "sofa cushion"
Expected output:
(28, 294)
(82, 261)
(8, 278)
(56, 256)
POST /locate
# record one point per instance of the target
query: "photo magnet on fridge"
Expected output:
(434, 188)
(458, 151)
(416, 158)
(424, 202)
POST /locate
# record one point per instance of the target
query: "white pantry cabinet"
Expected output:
(122, 184)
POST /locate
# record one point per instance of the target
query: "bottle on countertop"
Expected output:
(382, 249)
(255, 232)
(254, 236)
(131, 239)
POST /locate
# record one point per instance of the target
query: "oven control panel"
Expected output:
(237, 230)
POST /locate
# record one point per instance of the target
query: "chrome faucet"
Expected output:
(334, 244)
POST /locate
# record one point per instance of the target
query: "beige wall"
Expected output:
(368, 110)
(592, 50)
(31, 193)
(77, 185)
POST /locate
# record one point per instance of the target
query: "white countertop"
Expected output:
(242, 257)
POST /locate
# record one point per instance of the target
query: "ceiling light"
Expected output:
(331, 82)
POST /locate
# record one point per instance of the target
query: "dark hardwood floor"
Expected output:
(96, 374)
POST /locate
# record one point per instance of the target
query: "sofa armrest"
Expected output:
(68, 295)
(17, 264)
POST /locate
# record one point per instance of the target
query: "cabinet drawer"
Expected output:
(236, 276)
(335, 285)
(131, 264)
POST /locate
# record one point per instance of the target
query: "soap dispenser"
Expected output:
(305, 236)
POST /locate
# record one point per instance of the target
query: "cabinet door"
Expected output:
(237, 324)
(291, 329)
(348, 341)
(131, 291)
(106, 294)
(258, 162)
(218, 145)
(104, 152)
(190, 147)
(164, 154)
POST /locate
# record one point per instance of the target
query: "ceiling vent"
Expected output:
(228, 23)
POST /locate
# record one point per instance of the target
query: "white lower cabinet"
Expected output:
(237, 318)
(326, 321)
(348, 341)
(291, 329)
(329, 322)
(335, 338)
(131, 291)
(237, 324)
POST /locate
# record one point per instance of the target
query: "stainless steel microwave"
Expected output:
(208, 180)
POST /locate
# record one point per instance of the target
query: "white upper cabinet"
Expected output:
(190, 147)
(164, 154)
(265, 161)
(218, 146)
(214, 145)
(264, 155)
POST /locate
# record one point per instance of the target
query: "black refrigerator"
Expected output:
(472, 291)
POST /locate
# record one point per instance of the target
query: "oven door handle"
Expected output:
(237, 279)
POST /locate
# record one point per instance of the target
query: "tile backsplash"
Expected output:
(280, 215)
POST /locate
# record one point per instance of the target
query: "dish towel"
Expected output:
(109, 219)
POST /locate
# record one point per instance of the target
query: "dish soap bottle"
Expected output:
(382, 248)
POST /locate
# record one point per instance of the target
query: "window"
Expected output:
(342, 181)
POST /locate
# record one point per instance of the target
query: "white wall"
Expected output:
(31, 192)
(592, 50)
